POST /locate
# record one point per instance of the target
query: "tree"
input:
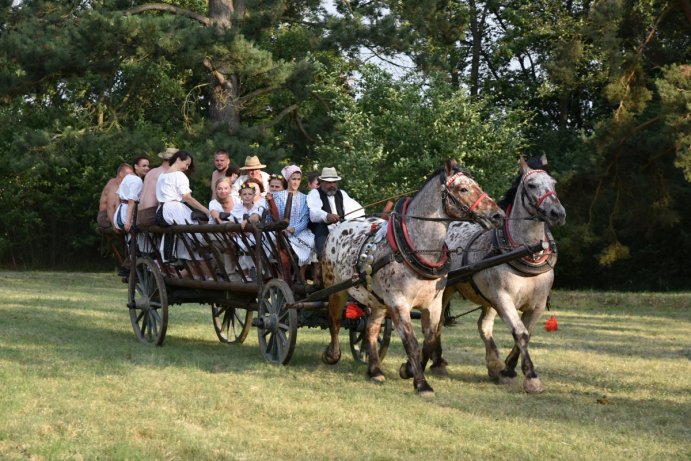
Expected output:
(399, 131)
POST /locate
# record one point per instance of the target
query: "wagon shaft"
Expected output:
(466, 272)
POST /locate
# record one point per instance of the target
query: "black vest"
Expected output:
(326, 205)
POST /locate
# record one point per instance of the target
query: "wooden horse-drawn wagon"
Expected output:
(273, 297)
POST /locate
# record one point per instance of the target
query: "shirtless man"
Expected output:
(221, 162)
(146, 215)
(109, 198)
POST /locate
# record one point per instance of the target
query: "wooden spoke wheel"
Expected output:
(147, 300)
(358, 344)
(232, 324)
(277, 325)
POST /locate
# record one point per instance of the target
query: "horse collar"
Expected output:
(528, 265)
(397, 236)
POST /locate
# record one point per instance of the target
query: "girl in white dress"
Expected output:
(248, 211)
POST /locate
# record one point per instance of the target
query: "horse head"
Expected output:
(465, 200)
(538, 195)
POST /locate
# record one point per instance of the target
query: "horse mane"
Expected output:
(456, 169)
(535, 163)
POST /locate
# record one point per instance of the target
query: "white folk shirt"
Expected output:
(351, 208)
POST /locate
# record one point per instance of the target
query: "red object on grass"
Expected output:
(353, 311)
(551, 324)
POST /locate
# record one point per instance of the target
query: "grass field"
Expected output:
(77, 385)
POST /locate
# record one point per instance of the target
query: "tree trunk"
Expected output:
(475, 30)
(224, 94)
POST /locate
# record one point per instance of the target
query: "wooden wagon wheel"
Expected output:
(232, 324)
(277, 325)
(147, 300)
(358, 346)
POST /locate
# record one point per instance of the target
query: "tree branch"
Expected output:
(170, 9)
(255, 93)
(279, 117)
(298, 119)
(627, 79)
(220, 78)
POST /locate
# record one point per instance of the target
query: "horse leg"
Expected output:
(412, 368)
(495, 367)
(431, 348)
(332, 353)
(532, 383)
(374, 364)
(439, 364)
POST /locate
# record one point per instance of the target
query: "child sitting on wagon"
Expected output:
(248, 210)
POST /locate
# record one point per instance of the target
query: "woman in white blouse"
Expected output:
(174, 194)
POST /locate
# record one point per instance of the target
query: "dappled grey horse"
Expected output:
(406, 263)
(523, 285)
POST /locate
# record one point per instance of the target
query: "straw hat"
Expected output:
(169, 152)
(252, 163)
(329, 175)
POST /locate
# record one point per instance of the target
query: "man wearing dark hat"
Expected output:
(146, 216)
(329, 205)
(251, 169)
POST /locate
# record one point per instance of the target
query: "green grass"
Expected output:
(75, 384)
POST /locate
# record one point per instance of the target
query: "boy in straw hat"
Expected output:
(146, 215)
(251, 169)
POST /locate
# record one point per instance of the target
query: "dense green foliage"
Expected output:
(601, 87)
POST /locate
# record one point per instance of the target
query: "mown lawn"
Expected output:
(77, 385)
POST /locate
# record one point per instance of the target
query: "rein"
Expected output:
(381, 201)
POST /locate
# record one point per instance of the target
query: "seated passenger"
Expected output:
(129, 192)
(252, 169)
(109, 200)
(277, 182)
(301, 239)
(329, 205)
(172, 189)
(248, 211)
(223, 203)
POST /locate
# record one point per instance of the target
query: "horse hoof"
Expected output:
(424, 390)
(504, 380)
(533, 386)
(439, 370)
(328, 359)
(495, 369)
(378, 378)
(405, 372)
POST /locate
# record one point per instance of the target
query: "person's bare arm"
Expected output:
(187, 198)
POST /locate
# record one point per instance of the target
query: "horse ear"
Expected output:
(450, 166)
(543, 160)
(522, 165)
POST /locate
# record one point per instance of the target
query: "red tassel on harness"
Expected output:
(551, 324)
(353, 311)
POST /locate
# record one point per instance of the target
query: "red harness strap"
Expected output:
(394, 246)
